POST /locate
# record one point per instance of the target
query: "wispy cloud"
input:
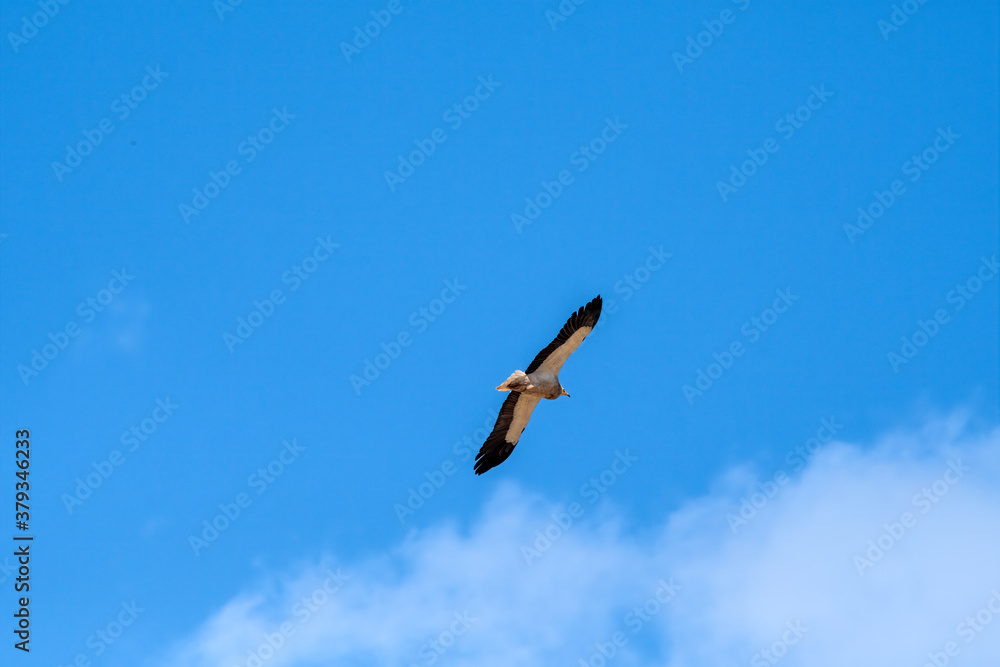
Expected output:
(783, 589)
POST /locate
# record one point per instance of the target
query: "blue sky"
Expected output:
(214, 216)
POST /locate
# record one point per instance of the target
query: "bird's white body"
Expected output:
(539, 383)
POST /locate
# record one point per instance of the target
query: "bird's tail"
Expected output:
(518, 381)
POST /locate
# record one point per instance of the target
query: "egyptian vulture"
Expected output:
(526, 388)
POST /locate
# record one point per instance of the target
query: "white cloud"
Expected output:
(791, 566)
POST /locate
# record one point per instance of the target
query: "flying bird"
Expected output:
(526, 388)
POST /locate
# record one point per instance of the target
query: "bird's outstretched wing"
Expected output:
(514, 415)
(579, 324)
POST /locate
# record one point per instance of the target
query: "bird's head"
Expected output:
(564, 392)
